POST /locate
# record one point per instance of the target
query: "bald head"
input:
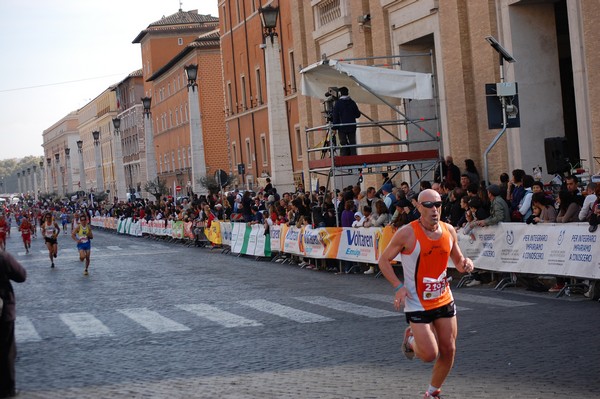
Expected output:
(429, 195)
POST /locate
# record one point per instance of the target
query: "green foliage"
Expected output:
(157, 188)
(8, 167)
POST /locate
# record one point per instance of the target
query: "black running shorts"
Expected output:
(428, 316)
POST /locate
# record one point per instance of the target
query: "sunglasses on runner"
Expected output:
(430, 204)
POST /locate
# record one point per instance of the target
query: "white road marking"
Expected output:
(506, 303)
(84, 325)
(153, 321)
(347, 307)
(219, 316)
(25, 330)
(286, 312)
(114, 248)
(390, 299)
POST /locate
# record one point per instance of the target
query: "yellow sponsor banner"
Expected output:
(213, 233)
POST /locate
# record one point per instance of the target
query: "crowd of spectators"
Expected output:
(468, 203)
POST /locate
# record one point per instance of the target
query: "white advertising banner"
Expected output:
(556, 249)
(360, 244)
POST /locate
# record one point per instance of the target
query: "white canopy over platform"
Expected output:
(366, 83)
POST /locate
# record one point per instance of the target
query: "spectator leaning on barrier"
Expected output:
(499, 211)
(588, 203)
(568, 209)
(545, 205)
(525, 203)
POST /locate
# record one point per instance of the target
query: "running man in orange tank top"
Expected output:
(425, 246)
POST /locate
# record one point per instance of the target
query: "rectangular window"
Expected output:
(170, 118)
(243, 87)
(224, 18)
(179, 158)
(190, 156)
(176, 116)
(180, 41)
(229, 100)
(292, 81)
(259, 95)
(263, 149)
(173, 160)
(234, 155)
(249, 153)
(298, 142)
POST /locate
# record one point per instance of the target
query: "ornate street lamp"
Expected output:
(121, 193)
(80, 145)
(146, 102)
(268, 18)
(191, 71)
(96, 136)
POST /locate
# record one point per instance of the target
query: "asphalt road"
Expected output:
(161, 320)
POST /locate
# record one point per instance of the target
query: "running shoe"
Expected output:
(435, 394)
(85, 272)
(406, 348)
(52, 265)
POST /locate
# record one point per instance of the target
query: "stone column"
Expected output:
(282, 174)
(196, 138)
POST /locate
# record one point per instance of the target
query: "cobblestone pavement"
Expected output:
(161, 320)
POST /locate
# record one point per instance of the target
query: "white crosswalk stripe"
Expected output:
(153, 321)
(347, 307)
(25, 330)
(390, 298)
(212, 313)
(286, 312)
(506, 303)
(85, 325)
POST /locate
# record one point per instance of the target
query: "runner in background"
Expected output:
(26, 228)
(50, 232)
(82, 234)
(3, 228)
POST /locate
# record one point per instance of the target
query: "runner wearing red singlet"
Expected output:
(425, 246)
(26, 228)
(3, 230)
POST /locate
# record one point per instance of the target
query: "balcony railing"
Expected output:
(328, 11)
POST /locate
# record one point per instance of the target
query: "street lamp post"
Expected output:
(35, 183)
(69, 170)
(82, 179)
(282, 173)
(59, 178)
(42, 179)
(149, 140)
(196, 135)
(120, 186)
(49, 182)
(99, 174)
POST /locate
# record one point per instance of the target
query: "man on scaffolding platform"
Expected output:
(345, 111)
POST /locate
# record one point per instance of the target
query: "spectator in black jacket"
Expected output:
(345, 111)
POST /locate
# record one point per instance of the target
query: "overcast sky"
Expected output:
(57, 55)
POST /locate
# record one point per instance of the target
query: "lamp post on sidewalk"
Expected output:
(82, 178)
(49, 181)
(198, 163)
(69, 171)
(59, 179)
(279, 140)
(149, 140)
(118, 156)
(42, 178)
(98, 156)
(35, 184)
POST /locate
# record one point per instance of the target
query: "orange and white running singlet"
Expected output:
(425, 270)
